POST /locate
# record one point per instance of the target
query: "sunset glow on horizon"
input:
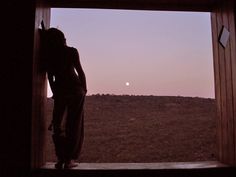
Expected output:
(130, 52)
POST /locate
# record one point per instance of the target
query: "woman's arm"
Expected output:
(80, 71)
(51, 83)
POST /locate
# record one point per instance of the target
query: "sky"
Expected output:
(130, 52)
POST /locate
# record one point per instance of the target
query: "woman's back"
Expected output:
(62, 66)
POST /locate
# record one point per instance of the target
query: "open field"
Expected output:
(145, 129)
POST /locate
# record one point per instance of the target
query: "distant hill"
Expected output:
(146, 129)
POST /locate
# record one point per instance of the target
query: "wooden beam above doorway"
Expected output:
(169, 5)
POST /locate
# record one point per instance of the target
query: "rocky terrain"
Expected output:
(123, 128)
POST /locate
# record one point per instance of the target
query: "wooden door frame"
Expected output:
(222, 14)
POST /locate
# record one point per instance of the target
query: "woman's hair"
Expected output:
(55, 37)
(53, 48)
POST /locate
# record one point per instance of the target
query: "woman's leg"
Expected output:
(75, 127)
(58, 134)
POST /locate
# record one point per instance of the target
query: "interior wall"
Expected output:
(17, 31)
(225, 80)
(19, 37)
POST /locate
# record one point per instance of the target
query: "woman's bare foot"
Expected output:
(59, 165)
(70, 164)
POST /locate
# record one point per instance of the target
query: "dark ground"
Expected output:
(145, 129)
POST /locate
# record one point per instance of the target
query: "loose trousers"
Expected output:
(68, 141)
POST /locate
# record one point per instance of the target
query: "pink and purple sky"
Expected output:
(141, 52)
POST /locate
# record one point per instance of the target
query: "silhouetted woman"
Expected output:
(68, 84)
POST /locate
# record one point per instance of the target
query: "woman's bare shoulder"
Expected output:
(71, 49)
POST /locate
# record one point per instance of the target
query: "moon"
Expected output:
(127, 84)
